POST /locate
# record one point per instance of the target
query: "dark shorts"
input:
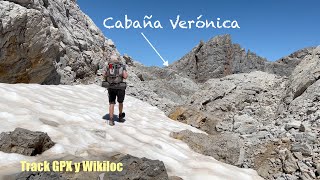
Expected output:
(116, 93)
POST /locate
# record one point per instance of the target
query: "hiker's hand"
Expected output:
(125, 74)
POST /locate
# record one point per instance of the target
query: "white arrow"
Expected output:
(165, 63)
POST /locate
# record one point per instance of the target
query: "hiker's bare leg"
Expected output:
(120, 108)
(111, 111)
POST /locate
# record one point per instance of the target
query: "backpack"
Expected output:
(114, 78)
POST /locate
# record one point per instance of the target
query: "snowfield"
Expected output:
(72, 117)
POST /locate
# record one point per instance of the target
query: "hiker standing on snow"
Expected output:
(114, 74)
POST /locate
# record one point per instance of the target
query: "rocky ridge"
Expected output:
(49, 42)
(173, 86)
(220, 57)
(268, 109)
(275, 118)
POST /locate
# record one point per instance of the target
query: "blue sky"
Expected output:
(272, 29)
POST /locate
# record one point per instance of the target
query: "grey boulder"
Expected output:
(25, 142)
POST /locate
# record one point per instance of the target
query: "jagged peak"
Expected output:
(221, 39)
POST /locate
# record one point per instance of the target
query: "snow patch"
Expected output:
(72, 117)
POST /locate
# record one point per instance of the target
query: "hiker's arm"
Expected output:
(125, 74)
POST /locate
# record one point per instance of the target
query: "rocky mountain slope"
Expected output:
(220, 57)
(49, 42)
(274, 120)
(217, 58)
(168, 88)
(255, 106)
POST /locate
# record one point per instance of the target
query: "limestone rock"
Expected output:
(286, 65)
(23, 57)
(133, 168)
(25, 142)
(136, 168)
(163, 88)
(293, 124)
(307, 172)
(219, 57)
(39, 39)
(190, 116)
(305, 149)
(128, 60)
(244, 124)
(289, 163)
(223, 147)
(270, 112)
(237, 103)
(304, 76)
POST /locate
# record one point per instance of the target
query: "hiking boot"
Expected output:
(121, 116)
(111, 122)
